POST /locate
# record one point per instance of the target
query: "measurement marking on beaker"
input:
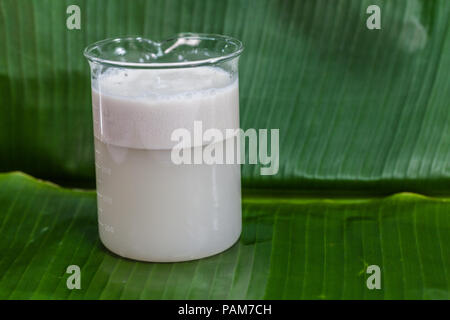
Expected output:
(107, 228)
(108, 200)
(103, 169)
(104, 198)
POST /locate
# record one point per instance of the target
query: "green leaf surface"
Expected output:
(358, 110)
(290, 248)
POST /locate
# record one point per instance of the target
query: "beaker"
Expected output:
(164, 114)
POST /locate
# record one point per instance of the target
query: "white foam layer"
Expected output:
(141, 108)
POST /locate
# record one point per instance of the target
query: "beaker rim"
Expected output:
(236, 49)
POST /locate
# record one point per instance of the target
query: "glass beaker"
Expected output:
(159, 109)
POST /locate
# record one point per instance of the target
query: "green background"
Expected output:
(358, 109)
(364, 150)
(290, 248)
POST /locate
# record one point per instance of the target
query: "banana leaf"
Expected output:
(291, 247)
(363, 117)
(358, 110)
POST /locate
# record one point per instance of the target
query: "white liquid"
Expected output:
(149, 208)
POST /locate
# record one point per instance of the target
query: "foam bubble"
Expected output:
(141, 108)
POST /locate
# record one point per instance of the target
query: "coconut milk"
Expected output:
(148, 207)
